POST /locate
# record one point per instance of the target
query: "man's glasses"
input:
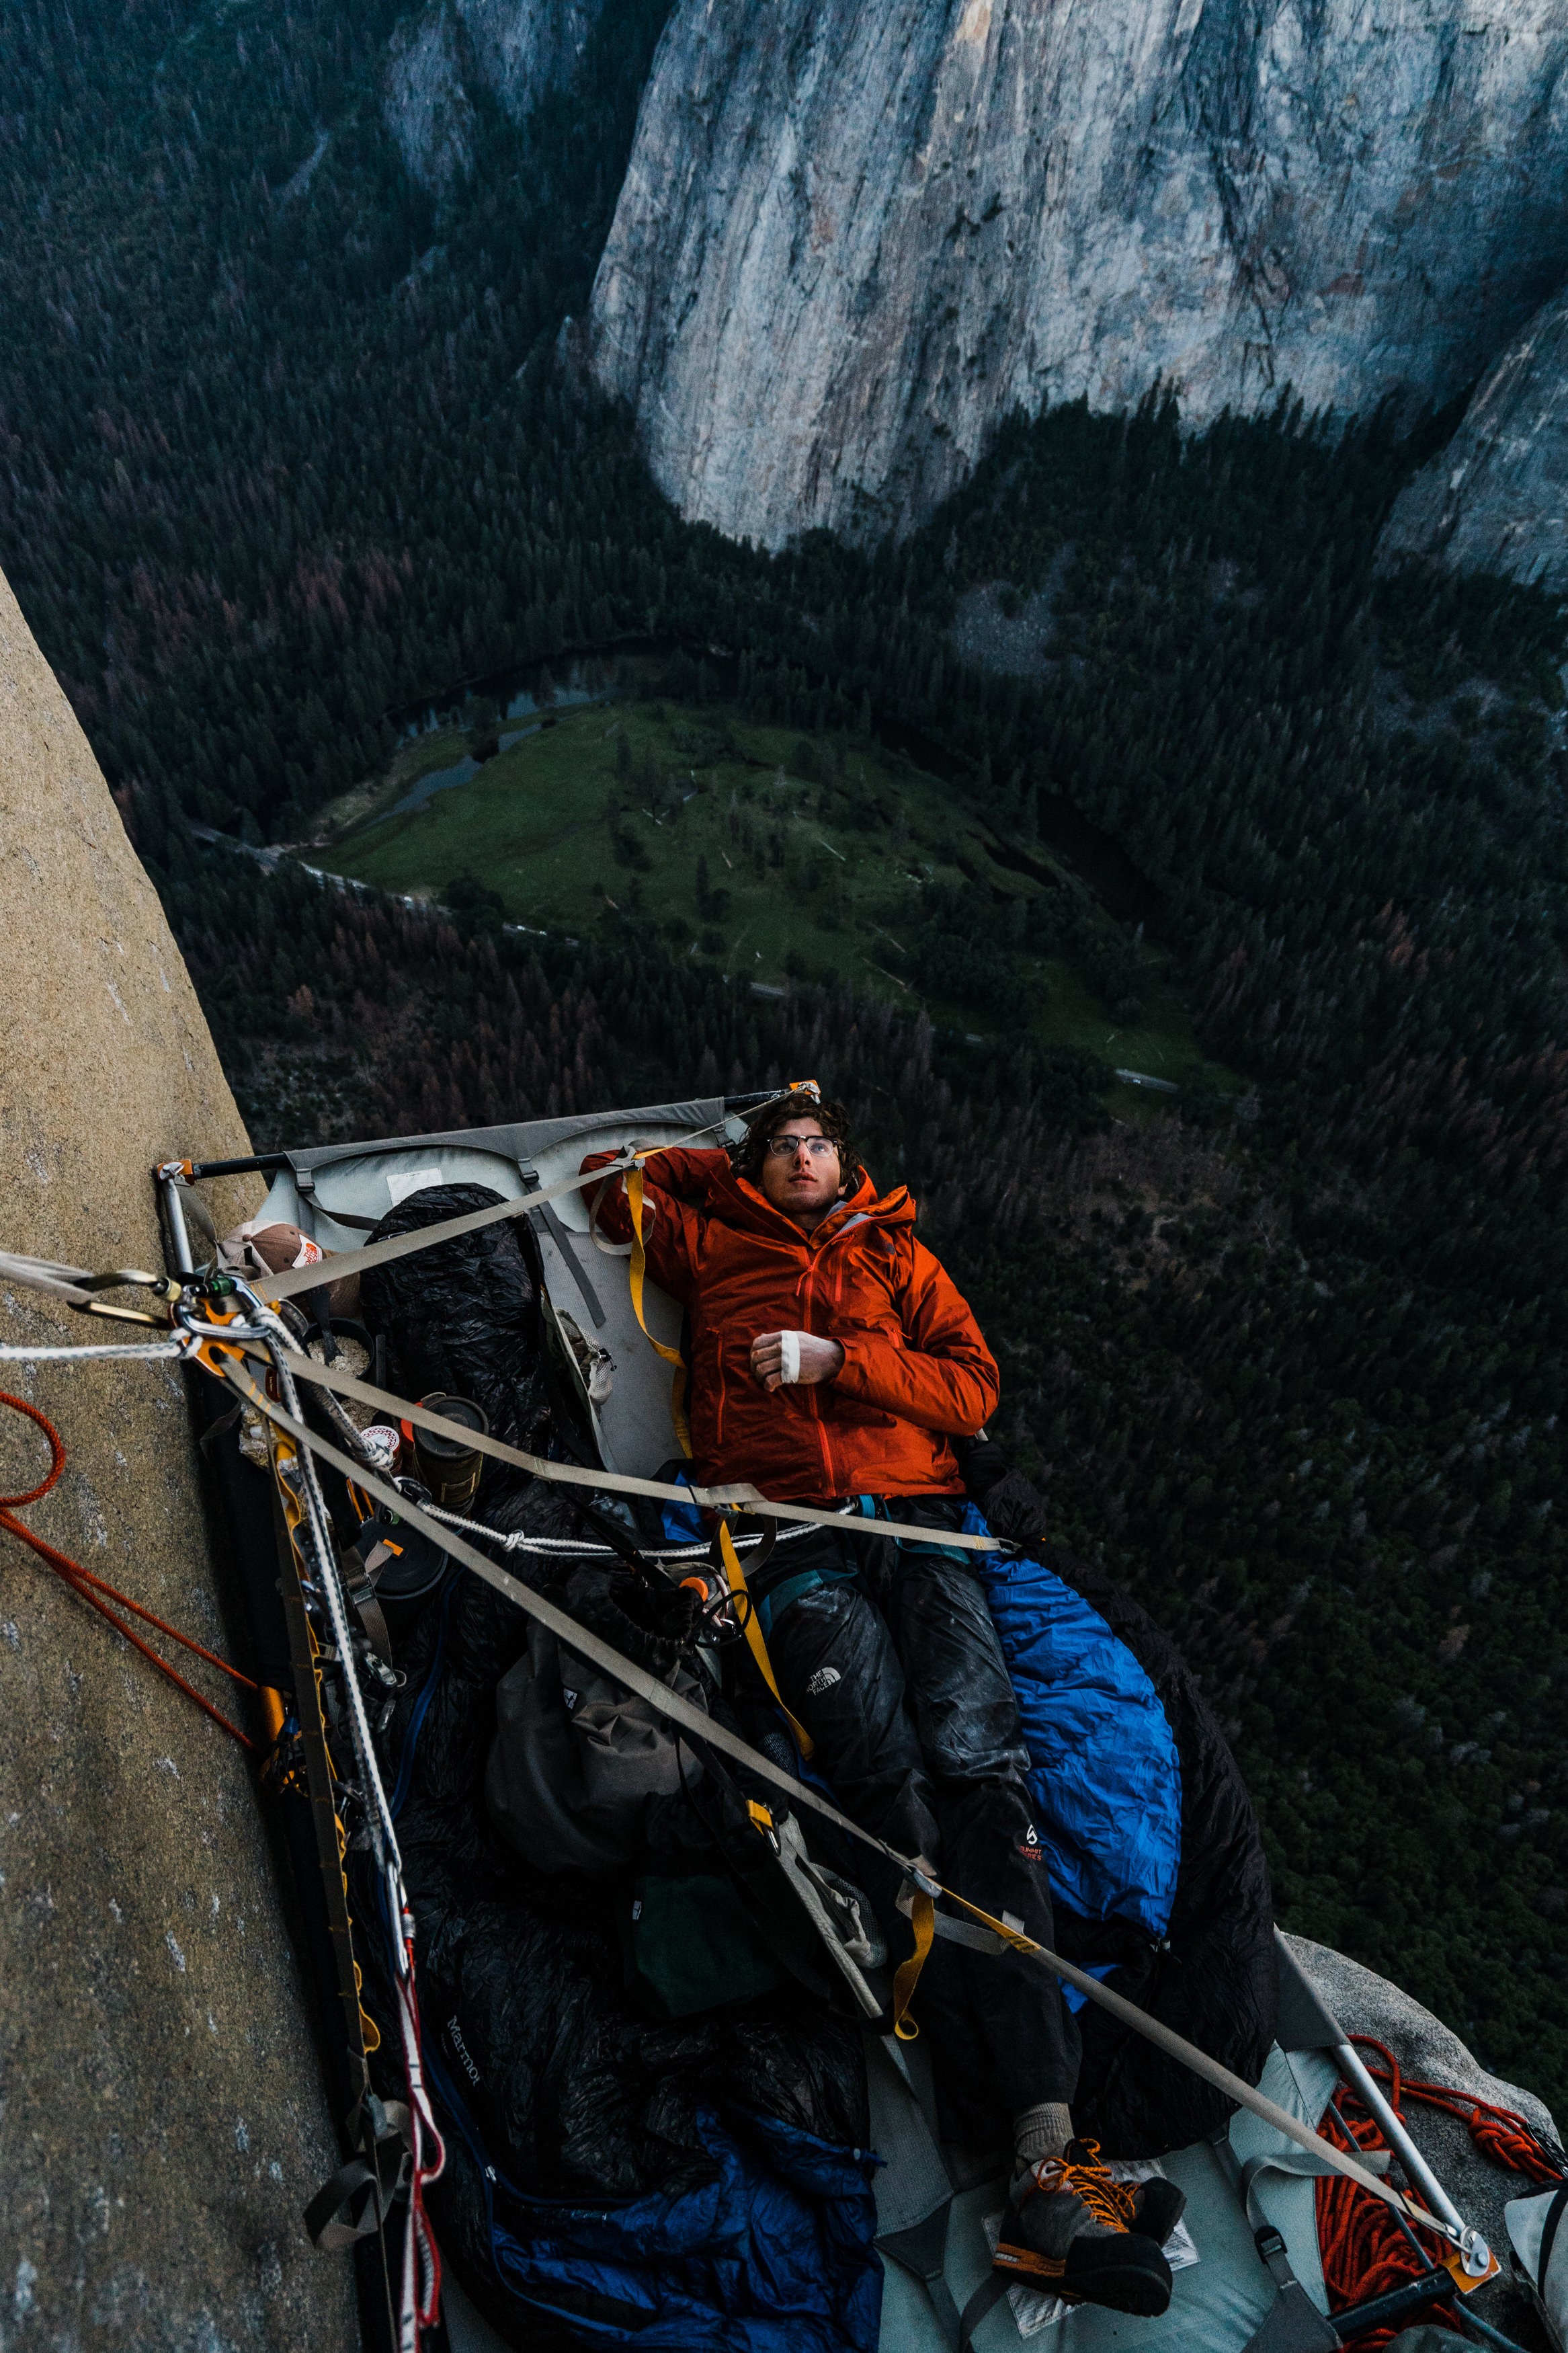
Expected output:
(784, 1148)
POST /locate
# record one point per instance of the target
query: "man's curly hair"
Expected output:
(831, 1117)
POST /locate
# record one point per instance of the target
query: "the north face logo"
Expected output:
(822, 1680)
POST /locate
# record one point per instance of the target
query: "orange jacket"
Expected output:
(915, 1366)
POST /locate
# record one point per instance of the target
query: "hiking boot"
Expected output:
(1069, 2233)
(1158, 2206)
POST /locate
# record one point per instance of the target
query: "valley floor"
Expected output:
(775, 855)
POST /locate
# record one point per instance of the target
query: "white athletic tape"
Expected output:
(789, 1355)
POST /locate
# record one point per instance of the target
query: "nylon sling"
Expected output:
(274, 1287)
(638, 1276)
(740, 1496)
(923, 1919)
(669, 1703)
(735, 1577)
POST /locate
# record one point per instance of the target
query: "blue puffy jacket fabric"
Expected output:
(1107, 1777)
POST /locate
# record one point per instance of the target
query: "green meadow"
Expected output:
(778, 857)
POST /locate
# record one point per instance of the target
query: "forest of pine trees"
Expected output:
(288, 454)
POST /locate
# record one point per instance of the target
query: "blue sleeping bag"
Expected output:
(1107, 1775)
(772, 2255)
(1156, 1861)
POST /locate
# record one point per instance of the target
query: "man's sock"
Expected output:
(1038, 2131)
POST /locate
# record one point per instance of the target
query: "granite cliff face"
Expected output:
(426, 106)
(518, 50)
(1497, 498)
(162, 2117)
(855, 232)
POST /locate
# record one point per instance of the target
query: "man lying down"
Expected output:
(833, 1361)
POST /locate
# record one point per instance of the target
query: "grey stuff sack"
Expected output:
(576, 1756)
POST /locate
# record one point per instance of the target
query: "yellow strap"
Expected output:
(922, 1917)
(638, 1276)
(639, 1262)
(735, 1577)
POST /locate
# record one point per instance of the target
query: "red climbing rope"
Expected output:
(1501, 2133)
(1364, 2252)
(91, 1588)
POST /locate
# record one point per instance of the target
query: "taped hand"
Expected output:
(780, 1359)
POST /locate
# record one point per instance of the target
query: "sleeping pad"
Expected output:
(701, 2185)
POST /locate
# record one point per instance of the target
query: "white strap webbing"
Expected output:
(342, 1263)
(335, 1267)
(680, 1711)
(743, 1495)
(64, 1281)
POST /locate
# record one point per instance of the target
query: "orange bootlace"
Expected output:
(1109, 2202)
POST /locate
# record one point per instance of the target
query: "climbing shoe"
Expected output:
(1071, 2234)
(1158, 2206)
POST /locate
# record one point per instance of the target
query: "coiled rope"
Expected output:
(92, 1589)
(1365, 2252)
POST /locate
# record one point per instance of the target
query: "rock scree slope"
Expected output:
(162, 2118)
(854, 233)
(1496, 498)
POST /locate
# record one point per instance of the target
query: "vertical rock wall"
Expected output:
(523, 49)
(855, 233)
(161, 2114)
(1496, 500)
(518, 50)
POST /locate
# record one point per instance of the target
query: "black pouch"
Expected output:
(690, 1943)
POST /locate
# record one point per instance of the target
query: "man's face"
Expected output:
(802, 1181)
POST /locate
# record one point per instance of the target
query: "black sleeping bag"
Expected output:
(718, 2159)
(465, 1316)
(700, 2185)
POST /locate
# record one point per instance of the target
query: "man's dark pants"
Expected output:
(885, 1651)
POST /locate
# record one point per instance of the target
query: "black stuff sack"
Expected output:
(465, 1316)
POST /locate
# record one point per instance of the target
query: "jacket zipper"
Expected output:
(824, 1444)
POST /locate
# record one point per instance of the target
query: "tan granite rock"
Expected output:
(162, 2117)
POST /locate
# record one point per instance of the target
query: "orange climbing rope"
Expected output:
(91, 1588)
(1364, 2251)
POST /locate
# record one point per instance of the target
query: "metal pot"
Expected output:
(451, 1467)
